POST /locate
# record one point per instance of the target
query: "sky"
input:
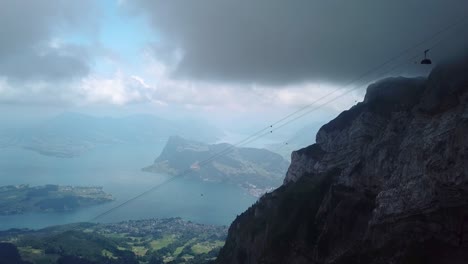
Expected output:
(254, 60)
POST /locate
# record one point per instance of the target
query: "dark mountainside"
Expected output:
(9, 254)
(257, 170)
(386, 182)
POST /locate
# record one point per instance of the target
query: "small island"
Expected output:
(19, 199)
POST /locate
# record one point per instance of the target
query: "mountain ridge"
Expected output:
(385, 182)
(256, 170)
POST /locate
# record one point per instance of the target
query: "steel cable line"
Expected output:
(400, 54)
(433, 46)
(259, 134)
(378, 67)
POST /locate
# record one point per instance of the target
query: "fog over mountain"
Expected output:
(72, 134)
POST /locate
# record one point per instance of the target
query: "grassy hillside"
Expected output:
(145, 241)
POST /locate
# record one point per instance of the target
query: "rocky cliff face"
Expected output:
(386, 182)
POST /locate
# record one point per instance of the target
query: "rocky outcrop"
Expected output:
(386, 182)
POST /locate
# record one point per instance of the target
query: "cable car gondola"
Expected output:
(426, 60)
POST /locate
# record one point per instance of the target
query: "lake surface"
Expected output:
(118, 169)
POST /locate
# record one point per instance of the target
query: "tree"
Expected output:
(156, 259)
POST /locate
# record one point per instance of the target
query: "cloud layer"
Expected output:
(212, 54)
(278, 42)
(27, 31)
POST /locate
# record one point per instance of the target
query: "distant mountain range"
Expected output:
(256, 170)
(72, 134)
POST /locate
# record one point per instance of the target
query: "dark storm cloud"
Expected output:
(27, 29)
(281, 41)
(53, 64)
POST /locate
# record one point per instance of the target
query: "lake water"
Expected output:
(118, 169)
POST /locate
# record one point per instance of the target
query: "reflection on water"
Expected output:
(118, 169)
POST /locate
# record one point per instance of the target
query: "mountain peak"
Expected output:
(256, 170)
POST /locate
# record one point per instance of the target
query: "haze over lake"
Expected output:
(118, 169)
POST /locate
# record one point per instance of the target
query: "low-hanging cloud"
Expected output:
(27, 32)
(279, 42)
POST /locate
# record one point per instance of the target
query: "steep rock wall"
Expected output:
(386, 182)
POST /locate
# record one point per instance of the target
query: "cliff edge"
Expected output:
(386, 182)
